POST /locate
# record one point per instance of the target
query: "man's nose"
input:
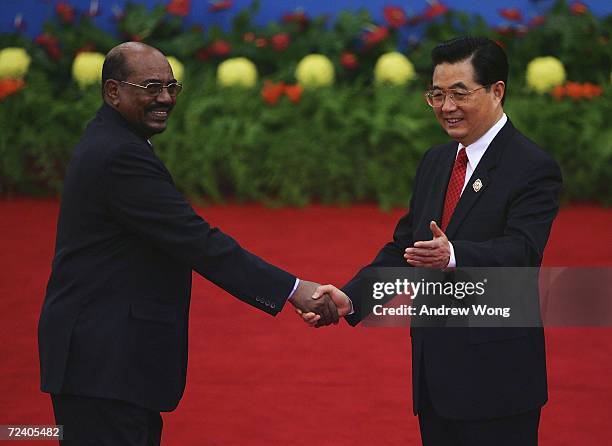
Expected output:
(164, 97)
(448, 104)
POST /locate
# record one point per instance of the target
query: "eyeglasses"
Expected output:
(155, 88)
(436, 98)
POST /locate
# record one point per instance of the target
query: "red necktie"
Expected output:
(455, 184)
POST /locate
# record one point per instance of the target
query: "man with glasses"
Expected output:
(114, 323)
(486, 199)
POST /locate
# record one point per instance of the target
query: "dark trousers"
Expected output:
(515, 430)
(104, 422)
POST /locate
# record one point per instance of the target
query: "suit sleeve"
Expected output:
(530, 214)
(142, 197)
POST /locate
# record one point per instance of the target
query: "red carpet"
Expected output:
(258, 380)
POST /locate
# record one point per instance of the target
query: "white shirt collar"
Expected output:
(476, 150)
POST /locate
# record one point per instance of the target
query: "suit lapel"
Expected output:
(484, 173)
(437, 191)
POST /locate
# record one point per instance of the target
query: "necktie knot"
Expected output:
(462, 158)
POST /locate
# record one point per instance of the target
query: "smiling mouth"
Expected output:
(159, 115)
(453, 121)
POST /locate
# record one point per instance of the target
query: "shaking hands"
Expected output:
(325, 296)
(321, 305)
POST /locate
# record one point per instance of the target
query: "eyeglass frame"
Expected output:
(449, 93)
(162, 86)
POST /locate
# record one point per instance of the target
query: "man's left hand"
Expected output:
(434, 253)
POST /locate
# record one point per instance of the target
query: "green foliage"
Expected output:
(577, 135)
(581, 42)
(342, 144)
(337, 145)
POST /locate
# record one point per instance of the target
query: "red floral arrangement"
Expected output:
(9, 86)
(577, 91)
(272, 92)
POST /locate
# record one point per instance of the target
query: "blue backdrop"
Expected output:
(36, 12)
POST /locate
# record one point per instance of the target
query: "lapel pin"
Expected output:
(477, 185)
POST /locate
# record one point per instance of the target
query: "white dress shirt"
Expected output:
(474, 153)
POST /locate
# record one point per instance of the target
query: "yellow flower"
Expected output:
(315, 70)
(87, 68)
(177, 68)
(545, 73)
(237, 72)
(14, 62)
(394, 68)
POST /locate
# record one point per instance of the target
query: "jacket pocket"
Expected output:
(152, 311)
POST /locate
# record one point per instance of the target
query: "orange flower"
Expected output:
(591, 90)
(574, 90)
(220, 48)
(375, 36)
(50, 44)
(280, 41)
(537, 21)
(272, 92)
(578, 8)
(348, 60)
(65, 12)
(294, 92)
(179, 7)
(512, 14)
(10, 86)
(435, 9)
(395, 16)
(558, 92)
(220, 5)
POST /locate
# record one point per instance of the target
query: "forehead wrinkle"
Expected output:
(455, 85)
(153, 73)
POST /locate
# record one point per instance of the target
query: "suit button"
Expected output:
(257, 299)
(267, 303)
(273, 305)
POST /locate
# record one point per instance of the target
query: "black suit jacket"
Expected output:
(475, 373)
(114, 321)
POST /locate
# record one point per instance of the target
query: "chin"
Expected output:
(154, 129)
(456, 134)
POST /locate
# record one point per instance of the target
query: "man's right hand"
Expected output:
(338, 297)
(322, 307)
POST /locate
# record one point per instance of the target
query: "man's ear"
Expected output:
(499, 89)
(111, 91)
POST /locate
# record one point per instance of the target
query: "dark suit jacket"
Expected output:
(475, 373)
(114, 320)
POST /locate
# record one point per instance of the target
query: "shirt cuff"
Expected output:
(452, 261)
(352, 308)
(295, 285)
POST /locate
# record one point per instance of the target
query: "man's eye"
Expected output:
(459, 94)
(437, 95)
(153, 87)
